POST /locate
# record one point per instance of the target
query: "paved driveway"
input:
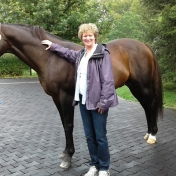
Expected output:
(31, 136)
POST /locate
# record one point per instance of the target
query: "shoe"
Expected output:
(92, 171)
(104, 173)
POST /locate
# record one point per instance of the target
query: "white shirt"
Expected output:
(81, 82)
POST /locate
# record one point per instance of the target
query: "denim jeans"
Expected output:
(95, 131)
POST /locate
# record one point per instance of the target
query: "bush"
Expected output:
(169, 76)
(169, 86)
(10, 65)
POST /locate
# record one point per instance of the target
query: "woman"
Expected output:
(94, 91)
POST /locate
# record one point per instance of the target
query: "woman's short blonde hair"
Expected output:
(88, 27)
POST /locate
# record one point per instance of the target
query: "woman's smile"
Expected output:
(88, 39)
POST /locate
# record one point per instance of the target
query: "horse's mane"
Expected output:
(40, 33)
(56, 36)
(36, 31)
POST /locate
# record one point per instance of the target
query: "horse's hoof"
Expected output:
(151, 139)
(62, 155)
(146, 136)
(65, 165)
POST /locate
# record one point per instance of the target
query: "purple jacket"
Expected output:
(100, 81)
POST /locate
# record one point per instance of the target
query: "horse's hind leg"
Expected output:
(146, 98)
(66, 110)
(151, 115)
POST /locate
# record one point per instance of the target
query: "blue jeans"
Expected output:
(95, 131)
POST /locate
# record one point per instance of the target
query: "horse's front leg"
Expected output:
(66, 110)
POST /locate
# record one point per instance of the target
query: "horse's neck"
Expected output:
(64, 43)
(31, 55)
(26, 48)
(30, 50)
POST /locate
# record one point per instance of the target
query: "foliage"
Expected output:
(130, 25)
(10, 65)
(169, 86)
(60, 17)
(163, 35)
(129, 19)
(158, 5)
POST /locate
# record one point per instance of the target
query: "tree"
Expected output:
(164, 34)
(130, 25)
(60, 17)
(127, 20)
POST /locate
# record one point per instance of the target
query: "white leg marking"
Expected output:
(151, 139)
(146, 136)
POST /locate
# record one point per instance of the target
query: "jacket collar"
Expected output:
(98, 53)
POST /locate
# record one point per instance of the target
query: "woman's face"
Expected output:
(88, 39)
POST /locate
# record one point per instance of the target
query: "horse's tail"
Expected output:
(157, 86)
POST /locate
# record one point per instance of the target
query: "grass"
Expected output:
(26, 74)
(169, 97)
(125, 93)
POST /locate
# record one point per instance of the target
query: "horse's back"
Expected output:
(132, 60)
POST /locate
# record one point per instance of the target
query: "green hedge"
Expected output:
(169, 86)
(10, 65)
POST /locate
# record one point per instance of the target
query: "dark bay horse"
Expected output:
(134, 65)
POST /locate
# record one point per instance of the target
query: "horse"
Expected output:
(133, 64)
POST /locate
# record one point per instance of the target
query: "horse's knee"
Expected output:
(68, 128)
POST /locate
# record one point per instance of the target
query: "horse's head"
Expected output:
(4, 45)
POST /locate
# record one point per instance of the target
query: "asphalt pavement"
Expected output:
(32, 137)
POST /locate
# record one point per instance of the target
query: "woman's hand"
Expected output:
(46, 42)
(100, 111)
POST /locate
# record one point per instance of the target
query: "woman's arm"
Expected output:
(107, 83)
(70, 55)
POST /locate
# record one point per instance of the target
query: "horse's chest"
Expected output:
(52, 87)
